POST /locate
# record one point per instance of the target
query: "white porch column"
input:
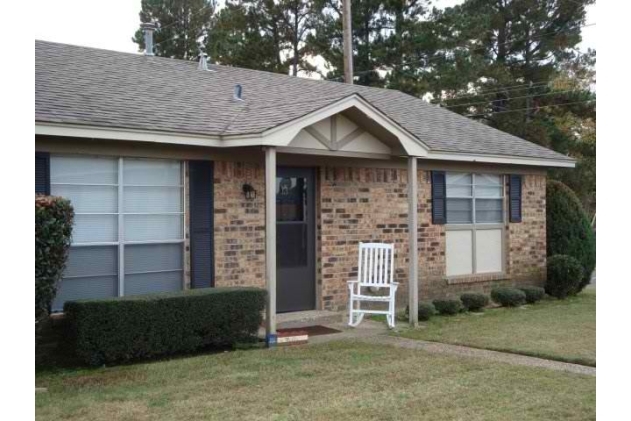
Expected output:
(413, 240)
(270, 243)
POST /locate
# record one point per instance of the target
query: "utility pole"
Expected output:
(348, 41)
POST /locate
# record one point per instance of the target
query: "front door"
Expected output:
(295, 239)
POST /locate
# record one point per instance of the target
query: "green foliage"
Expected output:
(53, 229)
(181, 23)
(426, 311)
(508, 297)
(568, 230)
(448, 306)
(564, 276)
(138, 327)
(533, 294)
(473, 301)
(248, 34)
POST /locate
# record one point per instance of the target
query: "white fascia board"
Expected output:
(501, 159)
(95, 132)
(282, 135)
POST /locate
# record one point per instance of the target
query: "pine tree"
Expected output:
(248, 34)
(181, 26)
(369, 22)
(298, 21)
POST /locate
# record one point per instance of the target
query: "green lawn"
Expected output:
(335, 381)
(562, 330)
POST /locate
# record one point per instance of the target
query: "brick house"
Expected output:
(166, 163)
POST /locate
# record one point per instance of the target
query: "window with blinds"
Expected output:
(474, 198)
(475, 213)
(128, 233)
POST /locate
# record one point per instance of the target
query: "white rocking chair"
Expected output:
(374, 270)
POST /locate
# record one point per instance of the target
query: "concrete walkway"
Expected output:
(377, 333)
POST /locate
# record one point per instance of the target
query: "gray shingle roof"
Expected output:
(80, 85)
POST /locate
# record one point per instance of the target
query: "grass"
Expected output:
(338, 380)
(563, 330)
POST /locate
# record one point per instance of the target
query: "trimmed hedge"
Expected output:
(474, 301)
(533, 294)
(147, 326)
(448, 306)
(53, 231)
(508, 297)
(564, 276)
(568, 230)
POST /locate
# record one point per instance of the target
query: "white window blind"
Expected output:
(150, 203)
(475, 211)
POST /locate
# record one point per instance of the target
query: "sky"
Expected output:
(110, 24)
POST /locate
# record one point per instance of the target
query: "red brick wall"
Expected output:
(527, 240)
(239, 225)
(358, 204)
(364, 204)
(369, 204)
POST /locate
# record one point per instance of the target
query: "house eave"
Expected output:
(502, 159)
(271, 138)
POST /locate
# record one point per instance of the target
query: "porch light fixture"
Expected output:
(249, 192)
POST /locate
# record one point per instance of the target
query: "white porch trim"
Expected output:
(270, 243)
(413, 240)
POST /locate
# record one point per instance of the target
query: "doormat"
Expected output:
(310, 330)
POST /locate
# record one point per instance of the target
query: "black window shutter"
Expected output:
(42, 173)
(514, 198)
(439, 198)
(201, 209)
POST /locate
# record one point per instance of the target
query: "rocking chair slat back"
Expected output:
(375, 265)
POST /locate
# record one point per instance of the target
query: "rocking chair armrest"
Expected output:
(351, 284)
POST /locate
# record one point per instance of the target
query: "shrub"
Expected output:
(127, 328)
(568, 230)
(473, 301)
(508, 297)
(564, 276)
(448, 307)
(426, 311)
(53, 229)
(533, 294)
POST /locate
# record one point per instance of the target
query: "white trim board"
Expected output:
(502, 159)
(275, 138)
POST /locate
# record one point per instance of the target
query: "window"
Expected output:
(128, 233)
(474, 198)
(475, 213)
(291, 215)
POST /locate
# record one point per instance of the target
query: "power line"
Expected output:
(527, 109)
(510, 99)
(498, 90)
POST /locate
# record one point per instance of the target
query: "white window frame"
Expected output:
(478, 226)
(121, 242)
